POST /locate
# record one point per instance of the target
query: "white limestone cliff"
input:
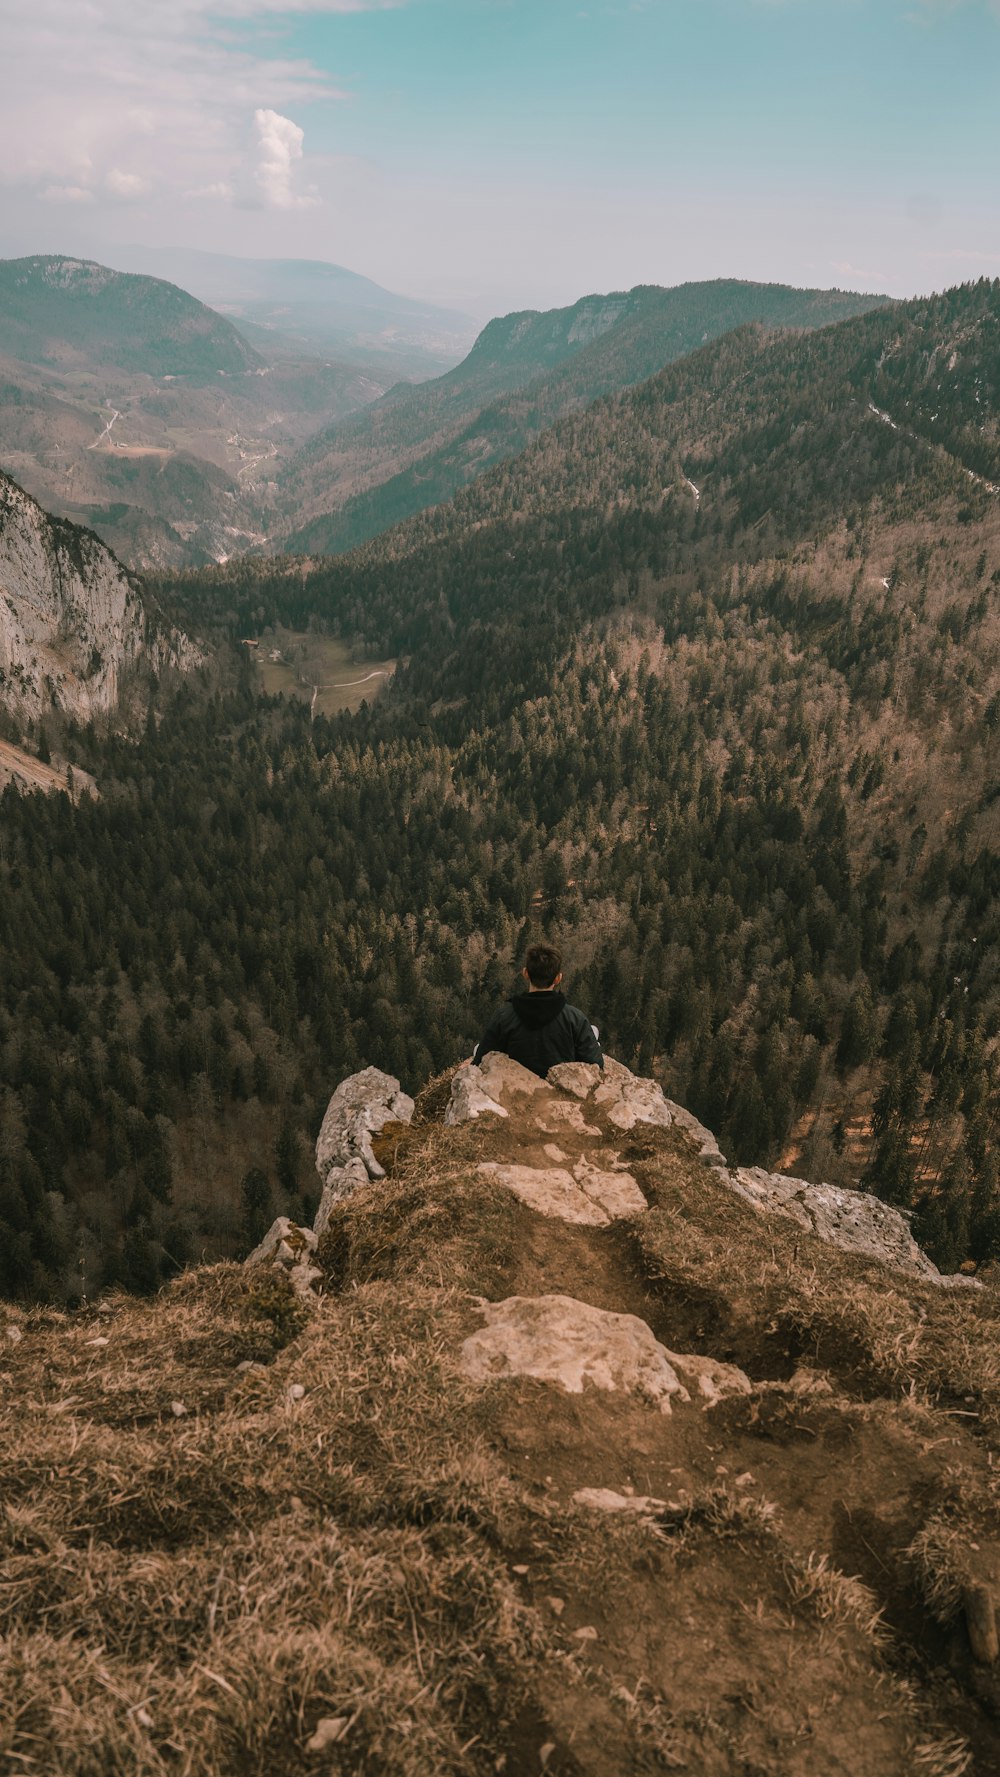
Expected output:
(72, 620)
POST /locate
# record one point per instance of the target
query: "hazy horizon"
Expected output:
(491, 154)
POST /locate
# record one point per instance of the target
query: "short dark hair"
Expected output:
(543, 964)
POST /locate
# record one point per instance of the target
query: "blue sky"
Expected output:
(504, 153)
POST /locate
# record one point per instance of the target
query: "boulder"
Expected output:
(851, 1220)
(629, 1100)
(708, 1380)
(469, 1098)
(556, 1339)
(503, 1077)
(605, 1499)
(616, 1192)
(578, 1077)
(550, 1190)
(361, 1105)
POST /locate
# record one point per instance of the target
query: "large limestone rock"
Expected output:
(629, 1100)
(504, 1079)
(586, 1196)
(578, 1077)
(362, 1105)
(851, 1220)
(470, 1099)
(73, 621)
(555, 1339)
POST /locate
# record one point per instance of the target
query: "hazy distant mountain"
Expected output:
(318, 306)
(54, 310)
(417, 446)
(131, 407)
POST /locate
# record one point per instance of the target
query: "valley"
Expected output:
(735, 753)
(320, 669)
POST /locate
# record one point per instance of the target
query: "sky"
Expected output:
(501, 154)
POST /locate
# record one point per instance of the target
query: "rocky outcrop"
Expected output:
(72, 621)
(576, 1175)
(851, 1220)
(361, 1106)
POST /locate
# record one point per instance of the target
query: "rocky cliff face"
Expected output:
(72, 621)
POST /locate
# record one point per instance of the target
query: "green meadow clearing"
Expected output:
(319, 669)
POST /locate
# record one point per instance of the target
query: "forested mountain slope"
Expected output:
(733, 744)
(418, 445)
(128, 406)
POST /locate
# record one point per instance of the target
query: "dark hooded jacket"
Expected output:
(539, 1030)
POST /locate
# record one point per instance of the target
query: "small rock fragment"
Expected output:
(99, 1341)
(328, 1731)
(587, 1633)
(15, 1335)
(178, 1409)
(556, 1605)
(605, 1499)
(296, 1391)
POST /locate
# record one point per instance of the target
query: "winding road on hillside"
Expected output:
(115, 415)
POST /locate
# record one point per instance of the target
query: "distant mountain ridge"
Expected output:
(129, 406)
(319, 306)
(52, 307)
(418, 445)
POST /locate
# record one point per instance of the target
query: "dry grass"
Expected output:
(199, 1566)
(878, 1332)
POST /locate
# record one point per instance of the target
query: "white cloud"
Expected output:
(120, 96)
(279, 147)
(66, 194)
(126, 184)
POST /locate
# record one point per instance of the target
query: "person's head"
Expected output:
(543, 966)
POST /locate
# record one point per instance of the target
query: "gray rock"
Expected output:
(591, 1198)
(341, 1182)
(578, 1077)
(360, 1107)
(851, 1220)
(470, 1099)
(630, 1099)
(556, 1339)
(503, 1077)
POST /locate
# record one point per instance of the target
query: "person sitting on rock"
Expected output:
(539, 1028)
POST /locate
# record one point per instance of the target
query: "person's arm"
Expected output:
(492, 1037)
(587, 1047)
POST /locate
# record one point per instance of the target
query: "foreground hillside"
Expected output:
(418, 446)
(249, 1531)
